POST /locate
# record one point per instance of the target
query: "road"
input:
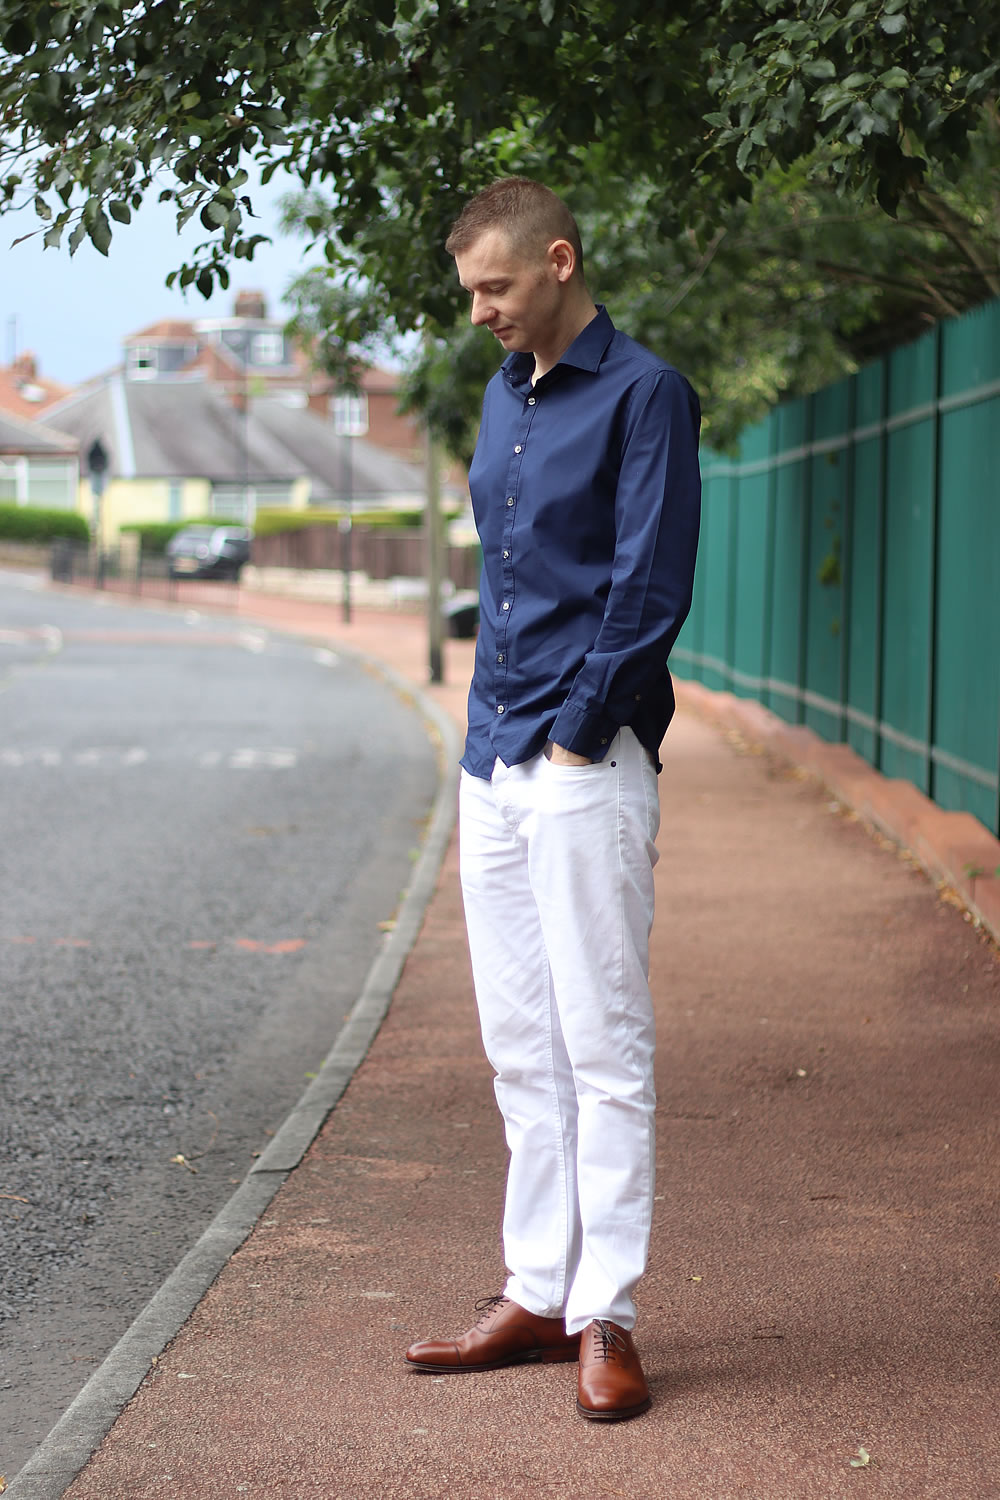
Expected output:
(203, 829)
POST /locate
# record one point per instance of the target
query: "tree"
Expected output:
(102, 101)
(397, 109)
(788, 291)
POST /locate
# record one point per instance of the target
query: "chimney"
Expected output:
(25, 368)
(250, 305)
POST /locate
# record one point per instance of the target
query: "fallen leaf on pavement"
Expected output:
(863, 1459)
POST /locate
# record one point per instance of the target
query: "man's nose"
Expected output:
(481, 311)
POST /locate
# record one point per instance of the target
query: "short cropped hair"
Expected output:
(528, 213)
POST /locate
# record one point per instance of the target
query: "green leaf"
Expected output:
(892, 25)
(120, 211)
(205, 283)
(894, 78)
(100, 233)
(190, 100)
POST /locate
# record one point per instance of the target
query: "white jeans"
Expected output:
(556, 865)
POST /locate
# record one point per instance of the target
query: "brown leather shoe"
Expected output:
(504, 1334)
(612, 1386)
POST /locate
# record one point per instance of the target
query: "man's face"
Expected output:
(516, 298)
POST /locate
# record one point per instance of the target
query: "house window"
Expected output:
(8, 481)
(51, 484)
(267, 349)
(234, 502)
(350, 415)
(33, 481)
(142, 362)
(239, 502)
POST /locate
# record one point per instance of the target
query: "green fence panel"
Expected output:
(967, 654)
(828, 494)
(849, 573)
(715, 547)
(908, 595)
(750, 614)
(789, 535)
(970, 351)
(864, 644)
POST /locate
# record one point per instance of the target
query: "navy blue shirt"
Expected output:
(586, 492)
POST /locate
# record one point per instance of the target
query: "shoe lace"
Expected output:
(607, 1340)
(486, 1305)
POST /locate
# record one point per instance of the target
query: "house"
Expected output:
(225, 417)
(24, 392)
(178, 449)
(38, 464)
(251, 354)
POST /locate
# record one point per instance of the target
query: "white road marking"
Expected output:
(247, 758)
(279, 760)
(253, 640)
(326, 658)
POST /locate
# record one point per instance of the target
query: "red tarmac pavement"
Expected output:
(823, 1286)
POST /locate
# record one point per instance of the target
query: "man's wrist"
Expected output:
(560, 756)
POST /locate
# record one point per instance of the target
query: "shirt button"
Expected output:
(499, 708)
(506, 554)
(500, 657)
(517, 447)
(604, 742)
(510, 500)
(531, 400)
(638, 697)
(506, 605)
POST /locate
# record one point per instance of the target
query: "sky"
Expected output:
(72, 313)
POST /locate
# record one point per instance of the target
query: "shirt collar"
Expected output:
(584, 353)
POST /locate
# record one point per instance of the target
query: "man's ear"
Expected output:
(562, 257)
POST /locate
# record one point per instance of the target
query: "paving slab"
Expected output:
(821, 1311)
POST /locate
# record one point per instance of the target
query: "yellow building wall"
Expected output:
(127, 501)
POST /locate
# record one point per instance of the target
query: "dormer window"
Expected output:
(267, 348)
(142, 362)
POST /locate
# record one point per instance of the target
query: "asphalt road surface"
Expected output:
(202, 827)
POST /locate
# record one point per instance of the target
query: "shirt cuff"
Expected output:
(583, 731)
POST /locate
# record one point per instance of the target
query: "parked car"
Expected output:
(208, 551)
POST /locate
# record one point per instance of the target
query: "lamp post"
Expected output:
(97, 473)
(350, 420)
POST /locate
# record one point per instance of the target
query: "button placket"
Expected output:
(529, 406)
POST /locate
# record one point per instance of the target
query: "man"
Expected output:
(586, 491)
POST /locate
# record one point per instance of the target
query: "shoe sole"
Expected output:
(529, 1357)
(619, 1415)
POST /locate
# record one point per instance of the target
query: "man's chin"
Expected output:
(510, 339)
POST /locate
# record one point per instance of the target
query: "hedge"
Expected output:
(154, 535)
(268, 522)
(30, 523)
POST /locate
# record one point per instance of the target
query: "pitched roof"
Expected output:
(186, 428)
(179, 329)
(339, 466)
(26, 393)
(18, 436)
